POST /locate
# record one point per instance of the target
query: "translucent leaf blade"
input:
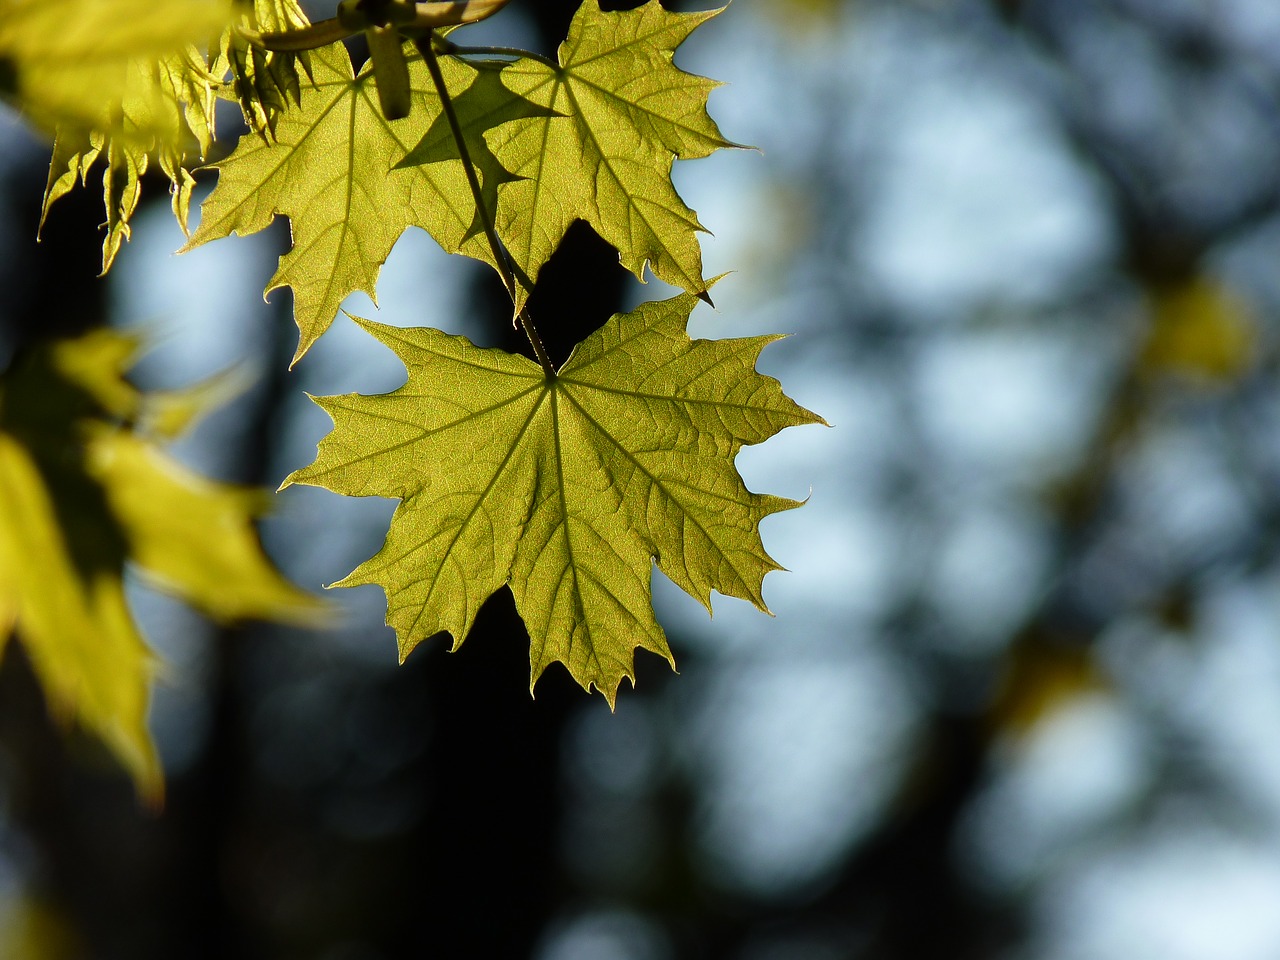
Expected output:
(619, 112)
(567, 488)
(331, 170)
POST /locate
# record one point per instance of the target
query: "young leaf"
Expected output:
(166, 106)
(618, 112)
(120, 81)
(566, 487)
(65, 61)
(329, 170)
(81, 494)
(160, 109)
(265, 82)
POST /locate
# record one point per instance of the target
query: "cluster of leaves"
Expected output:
(591, 137)
(85, 487)
(567, 485)
(157, 100)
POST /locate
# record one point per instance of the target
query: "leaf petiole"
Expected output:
(424, 45)
(355, 16)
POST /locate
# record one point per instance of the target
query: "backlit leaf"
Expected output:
(65, 62)
(330, 171)
(83, 493)
(618, 113)
(264, 82)
(163, 113)
(567, 488)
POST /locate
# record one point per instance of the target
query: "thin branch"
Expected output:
(424, 45)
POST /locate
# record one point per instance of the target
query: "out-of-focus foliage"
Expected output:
(1201, 330)
(565, 487)
(159, 103)
(72, 62)
(85, 490)
(165, 105)
(33, 930)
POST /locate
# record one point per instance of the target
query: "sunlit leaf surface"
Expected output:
(567, 488)
(619, 112)
(329, 169)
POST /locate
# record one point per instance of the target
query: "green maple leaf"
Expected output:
(330, 171)
(484, 105)
(84, 490)
(565, 487)
(617, 113)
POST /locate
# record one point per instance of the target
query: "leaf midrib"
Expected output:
(658, 484)
(448, 553)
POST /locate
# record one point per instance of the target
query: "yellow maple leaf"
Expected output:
(85, 490)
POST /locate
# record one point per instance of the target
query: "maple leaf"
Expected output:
(565, 487)
(84, 490)
(617, 113)
(483, 105)
(330, 171)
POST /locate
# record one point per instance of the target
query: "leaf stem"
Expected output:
(424, 45)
